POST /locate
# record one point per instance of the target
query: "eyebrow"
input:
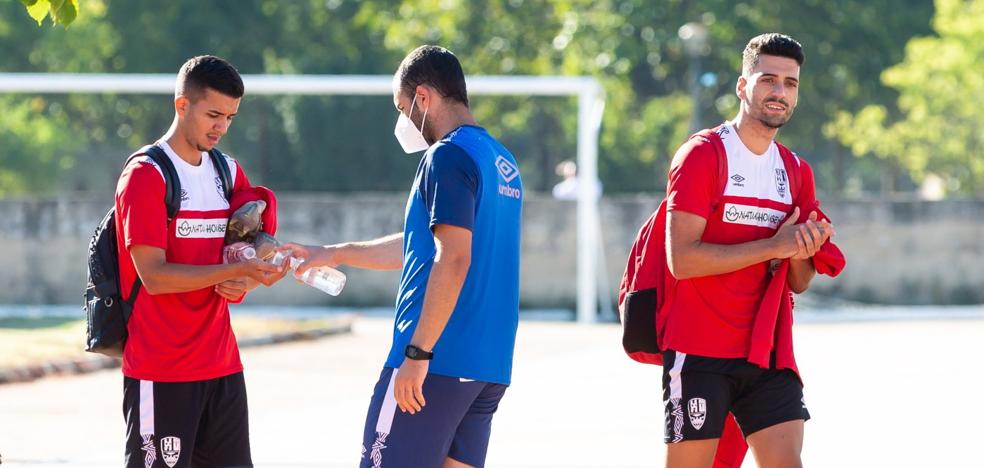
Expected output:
(777, 76)
(213, 111)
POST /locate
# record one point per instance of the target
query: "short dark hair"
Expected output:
(434, 66)
(208, 72)
(770, 44)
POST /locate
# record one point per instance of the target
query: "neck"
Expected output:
(181, 146)
(456, 116)
(754, 134)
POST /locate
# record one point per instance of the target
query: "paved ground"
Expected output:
(890, 394)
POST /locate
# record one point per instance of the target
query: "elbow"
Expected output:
(455, 262)
(678, 266)
(152, 287)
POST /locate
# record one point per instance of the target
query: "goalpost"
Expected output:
(590, 105)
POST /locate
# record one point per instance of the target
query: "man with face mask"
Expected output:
(721, 353)
(458, 303)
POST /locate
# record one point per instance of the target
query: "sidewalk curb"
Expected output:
(95, 362)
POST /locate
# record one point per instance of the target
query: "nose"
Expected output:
(779, 90)
(221, 125)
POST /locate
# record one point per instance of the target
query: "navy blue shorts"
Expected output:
(456, 423)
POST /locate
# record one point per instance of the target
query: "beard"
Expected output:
(771, 120)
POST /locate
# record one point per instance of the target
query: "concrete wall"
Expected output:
(898, 251)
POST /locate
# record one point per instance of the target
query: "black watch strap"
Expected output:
(417, 354)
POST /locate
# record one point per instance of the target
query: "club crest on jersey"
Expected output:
(697, 410)
(171, 450)
(782, 182)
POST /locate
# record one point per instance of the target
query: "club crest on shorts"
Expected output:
(171, 450)
(697, 409)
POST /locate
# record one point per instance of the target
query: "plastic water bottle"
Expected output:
(326, 279)
(239, 252)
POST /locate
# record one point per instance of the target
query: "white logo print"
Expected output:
(402, 326)
(150, 453)
(507, 170)
(677, 413)
(377, 450)
(752, 215)
(201, 228)
(171, 450)
(697, 408)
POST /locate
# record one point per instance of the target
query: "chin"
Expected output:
(775, 122)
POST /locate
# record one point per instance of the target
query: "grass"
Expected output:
(29, 340)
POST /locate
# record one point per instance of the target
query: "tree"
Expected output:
(62, 12)
(344, 143)
(935, 128)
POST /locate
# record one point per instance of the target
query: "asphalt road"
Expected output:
(895, 393)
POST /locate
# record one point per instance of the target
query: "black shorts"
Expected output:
(699, 392)
(182, 424)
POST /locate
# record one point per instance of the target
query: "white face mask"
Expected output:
(411, 139)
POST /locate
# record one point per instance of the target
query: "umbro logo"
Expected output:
(738, 180)
(507, 170)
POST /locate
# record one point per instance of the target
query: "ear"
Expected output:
(181, 104)
(740, 88)
(425, 96)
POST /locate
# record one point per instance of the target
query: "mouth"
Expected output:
(774, 107)
(213, 139)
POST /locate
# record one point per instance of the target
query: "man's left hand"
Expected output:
(409, 387)
(233, 289)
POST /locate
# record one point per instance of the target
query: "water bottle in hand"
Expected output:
(238, 252)
(326, 279)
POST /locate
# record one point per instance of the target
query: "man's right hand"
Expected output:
(800, 240)
(313, 255)
(261, 271)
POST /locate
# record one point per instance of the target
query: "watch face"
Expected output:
(412, 352)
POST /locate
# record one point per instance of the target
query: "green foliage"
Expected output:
(62, 12)
(345, 142)
(936, 128)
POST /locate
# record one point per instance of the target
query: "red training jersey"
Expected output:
(185, 336)
(713, 315)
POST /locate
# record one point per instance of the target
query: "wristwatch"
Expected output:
(417, 354)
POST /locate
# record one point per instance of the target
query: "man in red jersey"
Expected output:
(723, 250)
(184, 397)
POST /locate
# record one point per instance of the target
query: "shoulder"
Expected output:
(699, 150)
(447, 155)
(142, 168)
(797, 162)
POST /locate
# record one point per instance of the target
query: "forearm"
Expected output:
(168, 278)
(801, 273)
(700, 258)
(443, 287)
(385, 253)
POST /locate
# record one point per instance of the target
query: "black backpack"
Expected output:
(106, 311)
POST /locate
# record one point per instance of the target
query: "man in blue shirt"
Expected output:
(458, 302)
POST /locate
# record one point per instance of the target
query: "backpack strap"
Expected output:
(172, 183)
(713, 136)
(172, 200)
(222, 167)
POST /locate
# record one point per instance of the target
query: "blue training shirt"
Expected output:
(469, 180)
